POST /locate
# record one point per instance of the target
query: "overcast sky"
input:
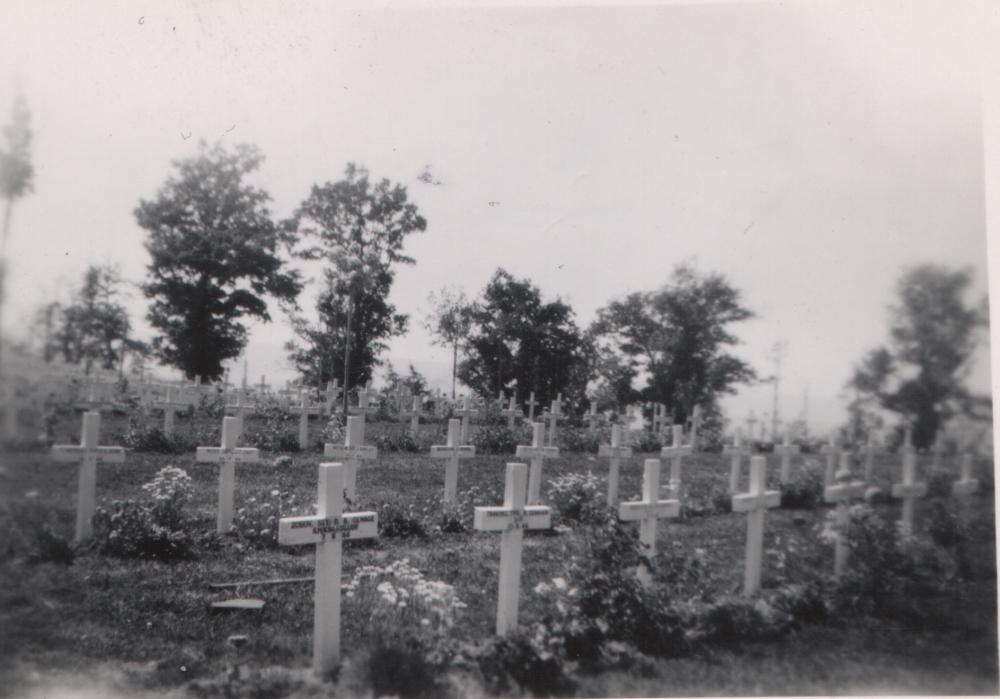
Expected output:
(808, 152)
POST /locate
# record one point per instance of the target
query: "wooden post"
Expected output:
(414, 414)
(531, 403)
(327, 530)
(755, 504)
(453, 451)
(511, 412)
(831, 452)
(511, 519)
(88, 454)
(537, 452)
(616, 451)
(647, 512)
(227, 456)
(304, 410)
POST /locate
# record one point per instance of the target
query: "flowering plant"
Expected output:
(256, 523)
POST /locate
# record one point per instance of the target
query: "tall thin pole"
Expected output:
(347, 350)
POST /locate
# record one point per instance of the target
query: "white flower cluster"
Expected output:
(398, 593)
(170, 484)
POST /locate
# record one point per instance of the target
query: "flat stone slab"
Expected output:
(238, 604)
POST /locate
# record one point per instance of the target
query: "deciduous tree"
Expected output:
(215, 257)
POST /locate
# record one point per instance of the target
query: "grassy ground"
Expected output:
(148, 626)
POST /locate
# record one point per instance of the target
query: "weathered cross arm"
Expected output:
(242, 455)
(339, 451)
(463, 452)
(635, 511)
(535, 452)
(66, 453)
(748, 502)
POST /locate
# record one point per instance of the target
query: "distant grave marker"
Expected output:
(966, 485)
(786, 450)
(537, 452)
(88, 454)
(466, 412)
(909, 490)
(170, 405)
(555, 415)
(327, 529)
(227, 456)
(304, 410)
(593, 417)
(841, 492)
(453, 451)
(531, 403)
(675, 452)
(414, 413)
(511, 519)
(616, 451)
(511, 412)
(737, 452)
(354, 451)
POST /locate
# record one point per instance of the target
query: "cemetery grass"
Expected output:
(151, 621)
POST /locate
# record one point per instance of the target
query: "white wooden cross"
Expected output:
(841, 493)
(555, 415)
(327, 529)
(511, 412)
(966, 485)
(465, 412)
(263, 386)
(304, 410)
(831, 451)
(88, 454)
(453, 451)
(786, 450)
(593, 417)
(170, 405)
(511, 519)
(531, 403)
(616, 452)
(227, 456)
(354, 451)
(242, 408)
(364, 405)
(676, 451)
(909, 490)
(751, 421)
(647, 512)
(331, 395)
(737, 452)
(414, 414)
(537, 452)
(755, 503)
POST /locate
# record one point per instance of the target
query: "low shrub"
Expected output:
(399, 519)
(577, 498)
(805, 490)
(457, 516)
(498, 439)
(646, 441)
(255, 523)
(31, 531)
(939, 485)
(154, 530)
(141, 435)
(278, 433)
(735, 619)
(581, 440)
(518, 664)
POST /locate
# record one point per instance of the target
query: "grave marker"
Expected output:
(786, 450)
(170, 406)
(327, 529)
(466, 412)
(755, 503)
(304, 410)
(331, 395)
(242, 409)
(593, 417)
(511, 412)
(937, 450)
(675, 452)
(841, 493)
(354, 451)
(868, 452)
(616, 452)
(647, 512)
(88, 454)
(737, 452)
(695, 424)
(554, 416)
(831, 452)
(227, 456)
(92, 403)
(511, 519)
(537, 452)
(414, 414)
(908, 491)
(453, 451)
(531, 403)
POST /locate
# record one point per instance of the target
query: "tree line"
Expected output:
(218, 256)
